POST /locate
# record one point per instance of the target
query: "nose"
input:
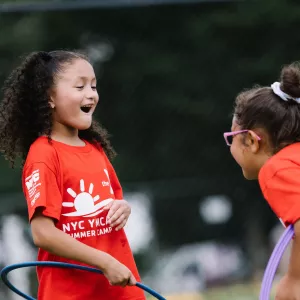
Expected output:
(92, 94)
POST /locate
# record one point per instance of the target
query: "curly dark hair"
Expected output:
(25, 112)
(260, 107)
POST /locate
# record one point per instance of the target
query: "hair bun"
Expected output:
(290, 80)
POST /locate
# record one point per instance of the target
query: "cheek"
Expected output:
(66, 108)
(245, 161)
(237, 153)
(67, 102)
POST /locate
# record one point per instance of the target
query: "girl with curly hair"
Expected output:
(75, 201)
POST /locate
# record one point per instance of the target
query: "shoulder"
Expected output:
(41, 151)
(96, 145)
(98, 149)
(283, 165)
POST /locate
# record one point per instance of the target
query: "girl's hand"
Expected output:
(288, 289)
(118, 274)
(118, 213)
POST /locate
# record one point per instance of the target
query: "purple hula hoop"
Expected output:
(274, 262)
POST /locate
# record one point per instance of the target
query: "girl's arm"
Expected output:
(48, 237)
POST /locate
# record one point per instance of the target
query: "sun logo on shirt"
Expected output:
(84, 203)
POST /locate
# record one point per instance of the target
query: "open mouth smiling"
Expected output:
(86, 108)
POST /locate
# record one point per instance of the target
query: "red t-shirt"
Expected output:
(279, 180)
(73, 184)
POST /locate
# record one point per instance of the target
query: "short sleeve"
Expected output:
(282, 191)
(41, 189)
(41, 179)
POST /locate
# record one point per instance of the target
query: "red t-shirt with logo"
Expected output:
(279, 180)
(72, 184)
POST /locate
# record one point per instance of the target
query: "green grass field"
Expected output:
(234, 292)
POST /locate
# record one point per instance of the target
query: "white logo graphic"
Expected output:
(32, 183)
(31, 180)
(107, 183)
(36, 196)
(84, 202)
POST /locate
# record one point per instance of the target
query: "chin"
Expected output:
(84, 126)
(249, 175)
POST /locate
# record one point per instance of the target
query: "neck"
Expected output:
(65, 134)
(261, 160)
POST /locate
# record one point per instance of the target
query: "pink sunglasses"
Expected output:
(228, 135)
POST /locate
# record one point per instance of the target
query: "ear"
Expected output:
(252, 141)
(51, 102)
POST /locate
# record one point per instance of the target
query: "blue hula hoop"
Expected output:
(4, 272)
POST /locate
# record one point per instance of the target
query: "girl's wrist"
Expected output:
(104, 262)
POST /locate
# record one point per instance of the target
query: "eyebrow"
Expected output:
(84, 78)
